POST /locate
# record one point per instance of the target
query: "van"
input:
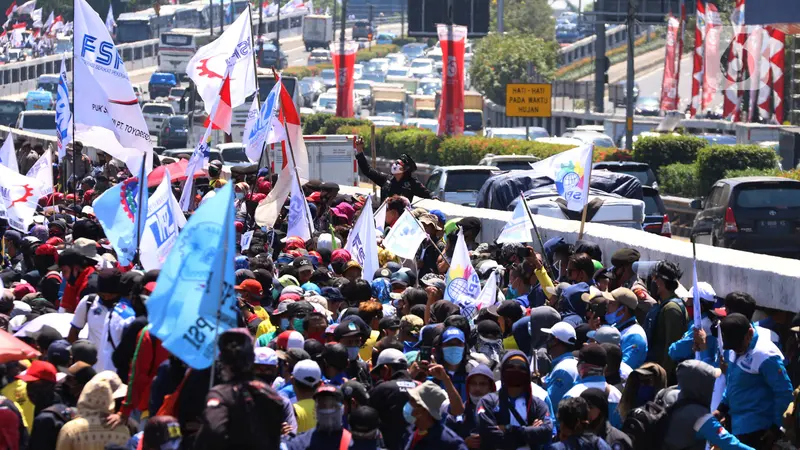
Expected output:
(42, 122)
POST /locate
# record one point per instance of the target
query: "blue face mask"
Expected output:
(284, 324)
(613, 318)
(453, 355)
(407, 414)
(352, 353)
(512, 293)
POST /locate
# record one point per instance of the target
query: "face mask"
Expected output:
(330, 418)
(284, 324)
(397, 168)
(453, 355)
(512, 293)
(475, 398)
(352, 353)
(298, 325)
(645, 394)
(407, 414)
(516, 378)
(612, 318)
(319, 337)
(239, 195)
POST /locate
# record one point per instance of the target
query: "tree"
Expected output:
(499, 60)
(534, 17)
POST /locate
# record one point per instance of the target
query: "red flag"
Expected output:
(17, 26)
(711, 54)
(224, 113)
(699, 59)
(731, 107)
(11, 8)
(777, 61)
(669, 83)
(451, 111)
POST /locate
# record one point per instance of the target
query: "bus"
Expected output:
(140, 26)
(178, 46)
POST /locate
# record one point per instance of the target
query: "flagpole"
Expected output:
(74, 147)
(291, 152)
(428, 237)
(255, 71)
(142, 187)
(583, 220)
(547, 264)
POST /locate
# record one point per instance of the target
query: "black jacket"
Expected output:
(439, 437)
(493, 411)
(408, 187)
(389, 398)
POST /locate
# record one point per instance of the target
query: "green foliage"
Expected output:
(715, 161)
(313, 122)
(662, 150)
(401, 41)
(679, 180)
(499, 60)
(321, 123)
(378, 51)
(533, 17)
(471, 149)
(301, 71)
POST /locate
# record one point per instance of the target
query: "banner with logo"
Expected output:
(360, 239)
(343, 67)
(572, 172)
(164, 221)
(461, 278)
(42, 170)
(711, 72)
(669, 84)
(451, 111)
(18, 198)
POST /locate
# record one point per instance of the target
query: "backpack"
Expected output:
(647, 425)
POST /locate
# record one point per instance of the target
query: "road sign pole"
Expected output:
(600, 67)
(629, 88)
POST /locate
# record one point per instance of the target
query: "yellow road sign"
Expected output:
(528, 100)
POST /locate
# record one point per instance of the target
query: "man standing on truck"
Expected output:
(400, 182)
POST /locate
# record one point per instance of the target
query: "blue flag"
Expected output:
(118, 211)
(194, 300)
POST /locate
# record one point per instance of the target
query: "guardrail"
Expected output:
(585, 48)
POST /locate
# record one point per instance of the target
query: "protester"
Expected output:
(423, 413)
(574, 429)
(400, 182)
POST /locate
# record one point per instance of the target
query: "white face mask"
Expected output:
(397, 168)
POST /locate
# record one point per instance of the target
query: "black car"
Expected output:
(362, 29)
(9, 110)
(756, 214)
(640, 170)
(270, 58)
(174, 132)
(656, 220)
(648, 106)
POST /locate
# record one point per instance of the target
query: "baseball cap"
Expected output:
(593, 354)
(390, 356)
(594, 293)
(400, 278)
(431, 279)
(302, 264)
(354, 390)
(606, 334)
(383, 272)
(251, 286)
(84, 350)
(307, 372)
(706, 292)
(39, 371)
(562, 331)
(625, 297)
(452, 333)
(329, 390)
(333, 294)
(389, 323)
(265, 356)
(346, 329)
(58, 354)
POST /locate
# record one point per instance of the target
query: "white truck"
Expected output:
(317, 31)
(331, 158)
(390, 101)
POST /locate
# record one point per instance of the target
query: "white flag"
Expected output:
(571, 170)
(26, 8)
(8, 155)
(519, 228)
(110, 23)
(361, 242)
(470, 306)
(250, 133)
(208, 65)
(48, 23)
(36, 15)
(461, 278)
(300, 220)
(271, 10)
(380, 217)
(196, 162)
(263, 126)
(164, 221)
(19, 196)
(107, 112)
(405, 236)
(269, 209)
(63, 113)
(244, 241)
(42, 170)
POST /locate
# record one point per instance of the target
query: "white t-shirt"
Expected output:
(105, 327)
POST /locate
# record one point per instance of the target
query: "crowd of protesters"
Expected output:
(579, 351)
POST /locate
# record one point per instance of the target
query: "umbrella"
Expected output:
(13, 349)
(177, 172)
(62, 322)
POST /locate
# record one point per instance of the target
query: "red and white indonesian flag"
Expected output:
(224, 113)
(107, 113)
(207, 67)
(26, 8)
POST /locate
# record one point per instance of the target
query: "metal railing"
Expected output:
(584, 48)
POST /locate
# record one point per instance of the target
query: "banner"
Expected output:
(160, 231)
(8, 154)
(196, 282)
(711, 72)
(734, 71)
(669, 83)
(776, 63)
(520, 226)
(209, 64)
(343, 67)
(19, 196)
(405, 236)
(119, 210)
(572, 171)
(461, 278)
(107, 113)
(698, 59)
(42, 170)
(756, 47)
(63, 113)
(360, 242)
(451, 110)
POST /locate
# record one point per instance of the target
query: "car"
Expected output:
(9, 111)
(385, 38)
(174, 132)
(429, 86)
(383, 121)
(175, 96)
(328, 78)
(754, 214)
(656, 219)
(42, 122)
(138, 93)
(509, 162)
(397, 59)
(622, 89)
(427, 124)
(377, 65)
(718, 139)
(647, 106)
(155, 114)
(362, 29)
(213, 154)
(270, 57)
(319, 56)
(375, 77)
(358, 71)
(507, 133)
(39, 100)
(614, 210)
(459, 184)
(640, 170)
(308, 94)
(160, 83)
(397, 71)
(233, 154)
(414, 50)
(363, 89)
(422, 67)
(591, 137)
(326, 103)
(560, 141)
